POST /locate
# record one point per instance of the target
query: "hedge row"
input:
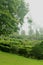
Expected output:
(25, 48)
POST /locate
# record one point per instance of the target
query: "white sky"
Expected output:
(36, 12)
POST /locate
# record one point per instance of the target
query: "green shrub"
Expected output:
(27, 48)
(23, 52)
(14, 49)
(4, 48)
(37, 50)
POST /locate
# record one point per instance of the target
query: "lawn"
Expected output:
(13, 59)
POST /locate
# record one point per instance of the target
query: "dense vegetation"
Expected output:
(12, 13)
(21, 46)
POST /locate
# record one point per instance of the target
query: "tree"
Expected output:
(37, 34)
(41, 33)
(12, 13)
(23, 32)
(30, 26)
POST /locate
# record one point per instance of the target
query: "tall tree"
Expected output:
(12, 13)
(30, 26)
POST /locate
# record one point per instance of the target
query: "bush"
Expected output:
(27, 48)
(4, 48)
(37, 51)
(23, 52)
(14, 49)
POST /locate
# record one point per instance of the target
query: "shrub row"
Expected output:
(25, 48)
(17, 46)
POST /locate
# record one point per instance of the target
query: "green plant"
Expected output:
(37, 50)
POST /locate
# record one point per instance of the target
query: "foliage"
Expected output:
(12, 13)
(19, 46)
(30, 21)
(37, 50)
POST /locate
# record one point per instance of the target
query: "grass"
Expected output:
(13, 59)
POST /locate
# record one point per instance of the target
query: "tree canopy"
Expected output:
(12, 13)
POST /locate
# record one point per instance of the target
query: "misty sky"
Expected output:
(36, 13)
